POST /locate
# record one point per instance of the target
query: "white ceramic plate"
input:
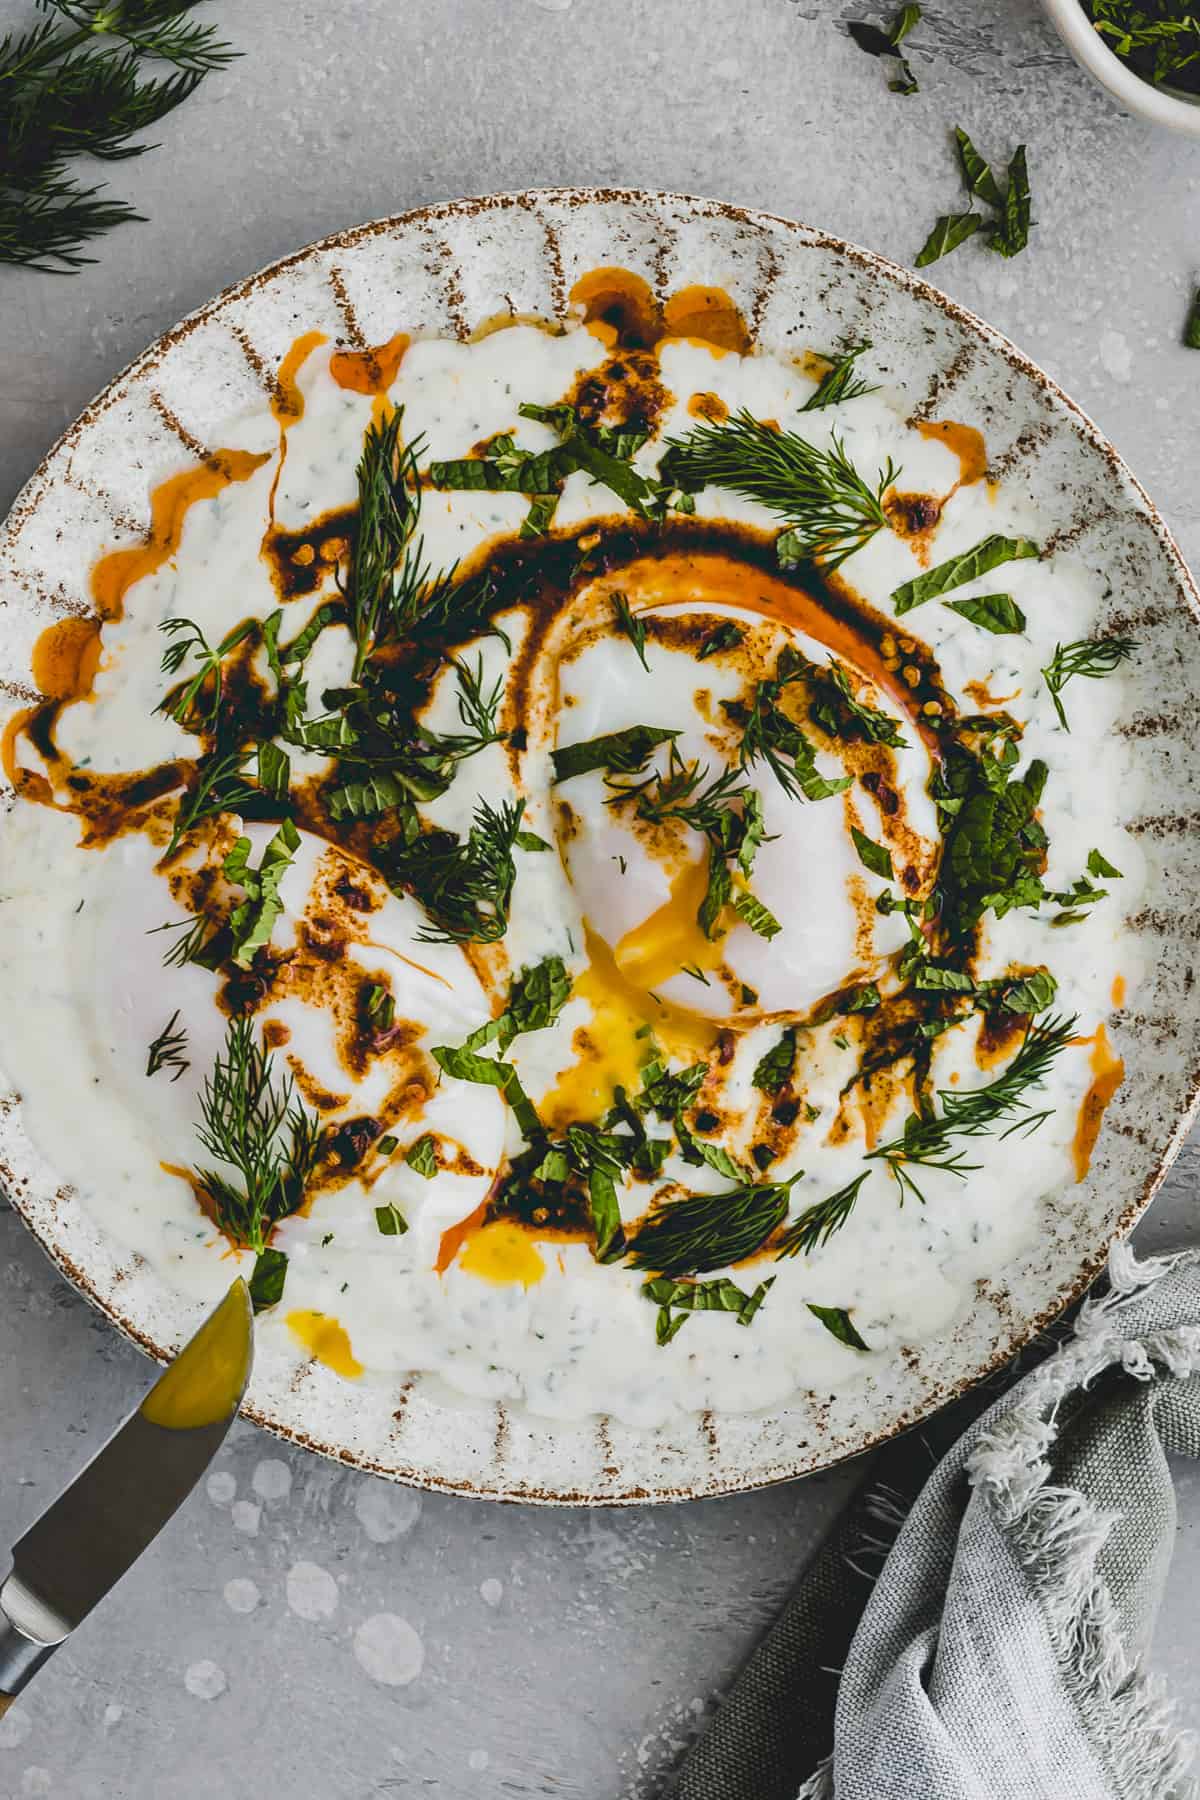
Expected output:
(446, 269)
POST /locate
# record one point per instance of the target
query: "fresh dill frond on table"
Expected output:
(72, 85)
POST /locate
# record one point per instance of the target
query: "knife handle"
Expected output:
(6, 1701)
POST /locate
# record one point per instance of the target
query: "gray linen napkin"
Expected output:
(997, 1655)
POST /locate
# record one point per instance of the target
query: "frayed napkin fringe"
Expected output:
(1057, 1535)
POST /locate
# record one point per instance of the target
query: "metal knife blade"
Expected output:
(99, 1525)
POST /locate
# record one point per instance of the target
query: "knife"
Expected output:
(87, 1538)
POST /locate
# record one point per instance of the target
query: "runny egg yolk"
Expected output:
(672, 937)
(325, 1340)
(615, 1045)
(502, 1252)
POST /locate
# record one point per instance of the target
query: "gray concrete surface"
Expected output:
(567, 1654)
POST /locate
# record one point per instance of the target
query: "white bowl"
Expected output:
(1162, 106)
(446, 269)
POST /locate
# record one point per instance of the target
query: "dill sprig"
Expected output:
(391, 583)
(166, 1050)
(817, 1224)
(197, 702)
(831, 511)
(465, 886)
(711, 1231)
(478, 709)
(187, 947)
(385, 582)
(256, 1125)
(927, 1141)
(1092, 657)
(672, 794)
(840, 381)
(220, 786)
(73, 85)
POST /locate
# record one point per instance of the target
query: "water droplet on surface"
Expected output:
(272, 1479)
(311, 1591)
(384, 1511)
(492, 1590)
(242, 1595)
(204, 1680)
(389, 1650)
(246, 1515)
(221, 1487)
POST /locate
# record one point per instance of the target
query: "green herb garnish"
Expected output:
(380, 1006)
(949, 231)
(166, 1051)
(619, 752)
(753, 913)
(840, 713)
(267, 1279)
(599, 453)
(390, 1221)
(993, 844)
(1098, 864)
(252, 920)
(220, 786)
(711, 1231)
(187, 948)
(1009, 233)
(66, 93)
(254, 1124)
(837, 1321)
(273, 769)
(817, 1224)
(935, 582)
(1010, 236)
(535, 999)
(190, 705)
(421, 1157)
(1091, 657)
(977, 173)
(875, 857)
(467, 1065)
(1159, 39)
(633, 628)
(773, 1070)
(678, 1300)
(998, 613)
(770, 733)
(465, 887)
(1191, 328)
(927, 1141)
(831, 511)
(667, 1094)
(840, 381)
(726, 636)
(868, 37)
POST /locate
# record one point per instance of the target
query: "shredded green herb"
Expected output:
(985, 556)
(678, 1300)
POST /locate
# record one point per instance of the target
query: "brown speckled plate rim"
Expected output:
(29, 496)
